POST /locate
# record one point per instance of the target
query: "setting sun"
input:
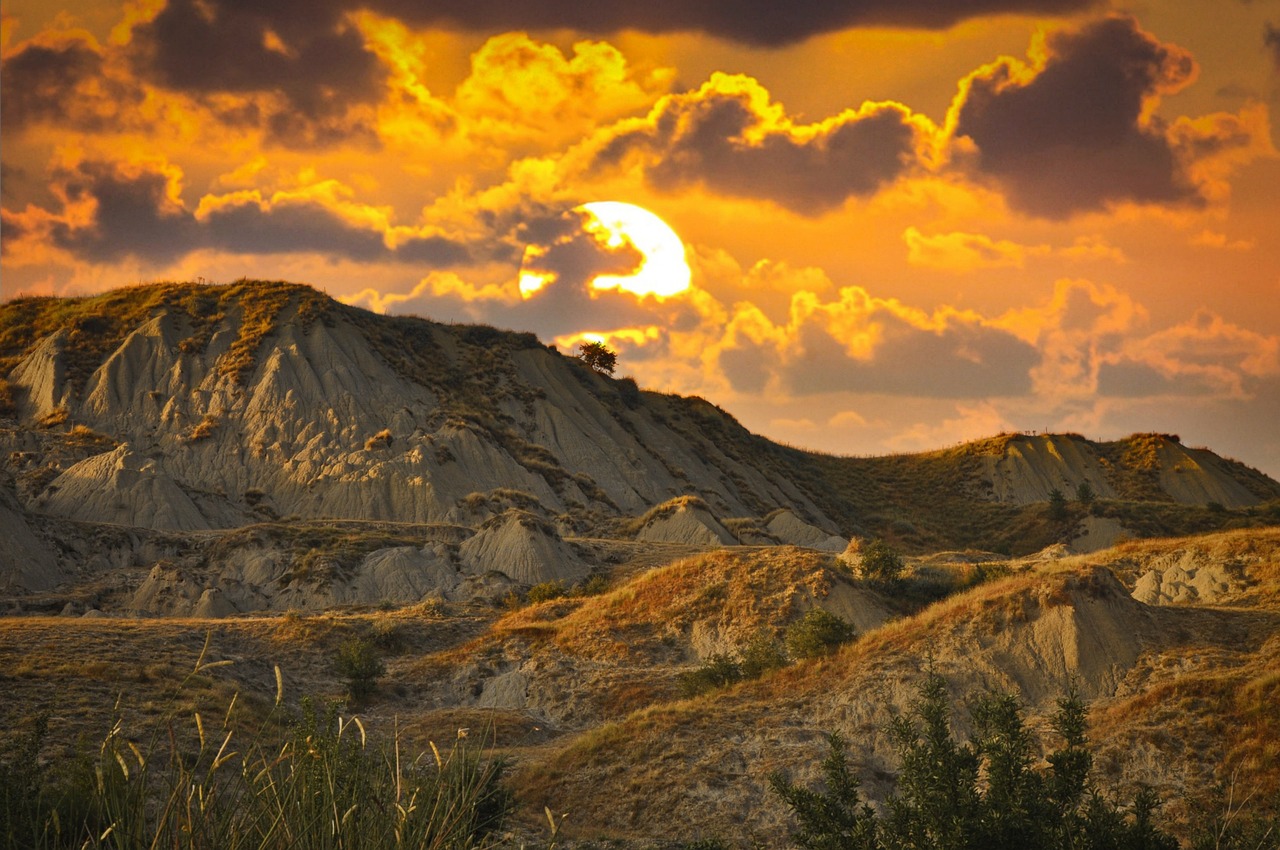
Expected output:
(614, 229)
(664, 271)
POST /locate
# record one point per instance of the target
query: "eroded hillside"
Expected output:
(583, 692)
(184, 412)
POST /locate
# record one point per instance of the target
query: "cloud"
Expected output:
(729, 136)
(972, 421)
(968, 252)
(764, 24)
(1072, 131)
(306, 52)
(965, 252)
(62, 78)
(1204, 355)
(1075, 331)
(111, 211)
(520, 90)
(863, 344)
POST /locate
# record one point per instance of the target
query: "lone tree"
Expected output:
(598, 356)
(1057, 505)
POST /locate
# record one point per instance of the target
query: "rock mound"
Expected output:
(525, 548)
(1198, 477)
(122, 487)
(26, 563)
(686, 520)
(1030, 468)
(1096, 533)
(789, 528)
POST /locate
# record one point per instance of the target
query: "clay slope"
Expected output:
(1032, 634)
(271, 400)
(212, 407)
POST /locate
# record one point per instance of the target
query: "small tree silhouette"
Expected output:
(1057, 505)
(598, 356)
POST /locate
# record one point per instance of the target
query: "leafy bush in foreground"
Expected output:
(984, 794)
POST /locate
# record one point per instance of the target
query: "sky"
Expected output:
(904, 223)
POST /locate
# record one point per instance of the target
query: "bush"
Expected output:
(360, 664)
(596, 584)
(986, 793)
(545, 592)
(761, 654)
(1057, 505)
(817, 633)
(598, 356)
(880, 562)
(718, 671)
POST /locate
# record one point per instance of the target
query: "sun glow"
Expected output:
(663, 271)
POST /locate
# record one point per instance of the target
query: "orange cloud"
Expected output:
(968, 252)
(731, 137)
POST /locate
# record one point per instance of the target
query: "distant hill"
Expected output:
(184, 408)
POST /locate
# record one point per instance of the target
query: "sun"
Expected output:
(663, 272)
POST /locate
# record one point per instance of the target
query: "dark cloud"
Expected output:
(719, 137)
(1271, 38)
(1128, 379)
(755, 22)
(574, 256)
(306, 53)
(960, 360)
(46, 82)
(1072, 137)
(137, 214)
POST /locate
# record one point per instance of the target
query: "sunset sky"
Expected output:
(906, 223)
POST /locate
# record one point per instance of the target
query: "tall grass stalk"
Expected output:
(321, 785)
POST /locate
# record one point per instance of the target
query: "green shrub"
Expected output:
(761, 654)
(1057, 505)
(817, 633)
(718, 671)
(880, 562)
(545, 592)
(359, 662)
(596, 584)
(986, 793)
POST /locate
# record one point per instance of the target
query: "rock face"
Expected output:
(789, 528)
(1031, 467)
(26, 562)
(523, 548)
(358, 417)
(197, 411)
(684, 521)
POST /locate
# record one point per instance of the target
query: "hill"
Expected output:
(599, 581)
(177, 409)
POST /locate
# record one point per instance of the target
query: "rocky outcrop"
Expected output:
(26, 562)
(1030, 468)
(789, 528)
(124, 488)
(687, 521)
(524, 548)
